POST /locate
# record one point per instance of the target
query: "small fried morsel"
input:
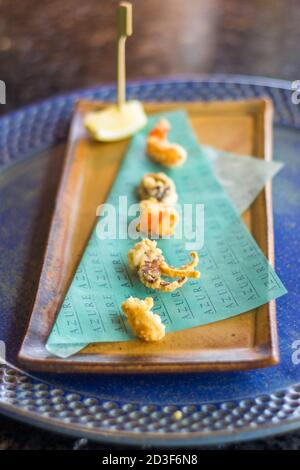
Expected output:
(148, 261)
(160, 150)
(157, 219)
(144, 323)
(157, 186)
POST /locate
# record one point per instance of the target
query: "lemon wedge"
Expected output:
(115, 123)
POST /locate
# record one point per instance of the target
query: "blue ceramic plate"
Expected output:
(139, 409)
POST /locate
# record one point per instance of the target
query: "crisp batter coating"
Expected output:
(158, 186)
(144, 323)
(157, 219)
(160, 150)
(148, 261)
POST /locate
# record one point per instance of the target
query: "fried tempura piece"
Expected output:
(157, 219)
(148, 261)
(144, 323)
(157, 186)
(160, 150)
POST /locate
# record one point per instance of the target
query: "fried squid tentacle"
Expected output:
(186, 270)
(166, 286)
(148, 261)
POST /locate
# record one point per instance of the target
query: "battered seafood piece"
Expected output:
(157, 186)
(157, 219)
(148, 261)
(144, 323)
(160, 150)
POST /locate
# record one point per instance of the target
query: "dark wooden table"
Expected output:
(53, 46)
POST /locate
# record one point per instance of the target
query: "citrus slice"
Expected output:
(115, 123)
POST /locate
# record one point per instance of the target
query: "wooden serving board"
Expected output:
(242, 342)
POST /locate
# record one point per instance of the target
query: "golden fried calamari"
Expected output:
(160, 150)
(157, 186)
(144, 323)
(157, 219)
(148, 261)
(157, 216)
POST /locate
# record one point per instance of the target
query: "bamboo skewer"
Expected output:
(121, 120)
(124, 29)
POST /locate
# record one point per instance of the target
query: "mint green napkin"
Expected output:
(235, 275)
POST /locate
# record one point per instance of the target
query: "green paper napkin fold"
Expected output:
(235, 275)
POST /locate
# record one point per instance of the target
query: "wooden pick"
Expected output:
(124, 29)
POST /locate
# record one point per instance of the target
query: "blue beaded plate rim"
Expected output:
(27, 398)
